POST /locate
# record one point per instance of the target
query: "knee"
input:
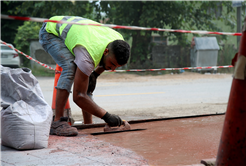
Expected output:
(70, 69)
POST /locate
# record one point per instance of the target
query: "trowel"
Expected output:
(111, 132)
(124, 128)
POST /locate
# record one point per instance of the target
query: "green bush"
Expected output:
(27, 32)
(43, 72)
(225, 56)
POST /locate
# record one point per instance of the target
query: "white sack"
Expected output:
(25, 116)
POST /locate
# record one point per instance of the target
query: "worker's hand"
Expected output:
(112, 120)
(125, 126)
(92, 82)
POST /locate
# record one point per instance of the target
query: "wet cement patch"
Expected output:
(170, 142)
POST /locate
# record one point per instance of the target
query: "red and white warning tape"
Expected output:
(119, 27)
(116, 26)
(27, 56)
(163, 69)
(184, 68)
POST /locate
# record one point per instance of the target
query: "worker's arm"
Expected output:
(81, 98)
(93, 79)
(99, 70)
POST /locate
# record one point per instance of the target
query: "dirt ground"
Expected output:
(170, 111)
(114, 77)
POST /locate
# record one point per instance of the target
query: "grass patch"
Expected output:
(42, 72)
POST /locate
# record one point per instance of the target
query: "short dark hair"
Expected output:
(121, 50)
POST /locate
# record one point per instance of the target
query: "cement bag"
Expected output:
(25, 116)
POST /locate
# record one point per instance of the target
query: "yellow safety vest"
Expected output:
(94, 38)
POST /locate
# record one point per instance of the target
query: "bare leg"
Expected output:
(61, 100)
(87, 117)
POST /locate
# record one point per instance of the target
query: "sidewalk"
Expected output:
(81, 150)
(183, 141)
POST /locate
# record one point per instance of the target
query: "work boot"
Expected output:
(62, 128)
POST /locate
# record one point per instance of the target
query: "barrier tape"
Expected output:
(116, 26)
(166, 69)
(163, 69)
(27, 56)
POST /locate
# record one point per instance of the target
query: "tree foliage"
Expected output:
(20, 33)
(42, 9)
(25, 33)
(9, 27)
(160, 14)
(189, 15)
(47, 9)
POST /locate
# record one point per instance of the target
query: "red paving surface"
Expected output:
(170, 142)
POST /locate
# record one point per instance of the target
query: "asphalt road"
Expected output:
(151, 98)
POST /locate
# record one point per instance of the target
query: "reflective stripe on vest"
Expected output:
(94, 38)
(66, 29)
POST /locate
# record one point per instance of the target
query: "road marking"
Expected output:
(128, 94)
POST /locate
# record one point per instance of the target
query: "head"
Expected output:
(115, 55)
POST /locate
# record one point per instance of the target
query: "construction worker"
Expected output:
(80, 49)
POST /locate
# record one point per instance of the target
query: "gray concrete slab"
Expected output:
(80, 150)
